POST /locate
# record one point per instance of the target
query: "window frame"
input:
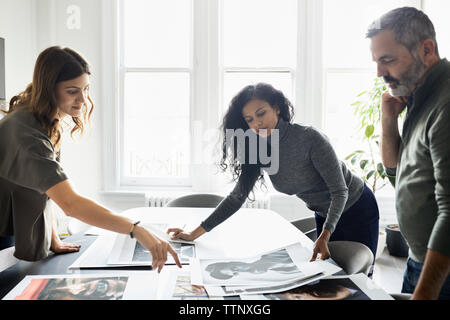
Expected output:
(207, 76)
(387, 192)
(123, 70)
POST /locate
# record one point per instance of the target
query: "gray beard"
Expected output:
(409, 80)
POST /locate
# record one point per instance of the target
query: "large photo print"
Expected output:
(270, 268)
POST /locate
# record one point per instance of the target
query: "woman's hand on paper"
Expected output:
(180, 234)
(321, 246)
(157, 247)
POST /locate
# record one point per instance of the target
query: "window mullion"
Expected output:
(205, 91)
(111, 79)
(310, 69)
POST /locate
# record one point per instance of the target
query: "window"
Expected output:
(181, 61)
(155, 73)
(348, 66)
(259, 45)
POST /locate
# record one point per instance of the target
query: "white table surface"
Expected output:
(247, 233)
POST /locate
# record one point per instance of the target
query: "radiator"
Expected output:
(161, 201)
(157, 201)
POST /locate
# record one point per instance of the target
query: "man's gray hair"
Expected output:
(409, 25)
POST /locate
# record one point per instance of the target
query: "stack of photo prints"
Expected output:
(282, 274)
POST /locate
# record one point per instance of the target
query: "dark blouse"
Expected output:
(28, 168)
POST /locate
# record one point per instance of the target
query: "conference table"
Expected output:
(246, 233)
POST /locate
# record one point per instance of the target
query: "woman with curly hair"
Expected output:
(30, 172)
(345, 208)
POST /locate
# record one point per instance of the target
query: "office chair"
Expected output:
(307, 225)
(353, 257)
(401, 296)
(76, 226)
(204, 200)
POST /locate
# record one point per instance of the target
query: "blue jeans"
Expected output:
(411, 278)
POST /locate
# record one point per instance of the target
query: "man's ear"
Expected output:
(428, 51)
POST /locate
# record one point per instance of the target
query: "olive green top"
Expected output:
(423, 168)
(28, 168)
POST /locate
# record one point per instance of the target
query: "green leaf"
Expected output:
(353, 153)
(380, 169)
(392, 181)
(363, 163)
(354, 159)
(371, 173)
(361, 94)
(369, 131)
(350, 155)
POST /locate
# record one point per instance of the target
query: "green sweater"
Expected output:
(423, 168)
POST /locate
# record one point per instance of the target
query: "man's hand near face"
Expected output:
(391, 108)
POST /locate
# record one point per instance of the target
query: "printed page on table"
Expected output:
(127, 251)
(277, 267)
(351, 287)
(140, 285)
(96, 256)
(175, 284)
(235, 239)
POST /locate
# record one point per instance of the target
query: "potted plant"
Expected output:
(367, 163)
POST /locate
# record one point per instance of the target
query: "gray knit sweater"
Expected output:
(309, 169)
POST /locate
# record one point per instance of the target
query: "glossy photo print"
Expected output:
(111, 288)
(185, 290)
(272, 267)
(120, 285)
(323, 289)
(184, 251)
(128, 251)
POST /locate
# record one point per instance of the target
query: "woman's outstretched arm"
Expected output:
(92, 213)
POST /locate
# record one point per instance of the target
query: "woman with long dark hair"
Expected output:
(30, 172)
(345, 208)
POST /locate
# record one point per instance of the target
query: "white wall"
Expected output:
(29, 26)
(82, 160)
(17, 27)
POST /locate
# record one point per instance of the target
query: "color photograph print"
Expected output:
(324, 289)
(107, 288)
(184, 290)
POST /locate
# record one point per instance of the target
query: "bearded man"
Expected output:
(404, 47)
